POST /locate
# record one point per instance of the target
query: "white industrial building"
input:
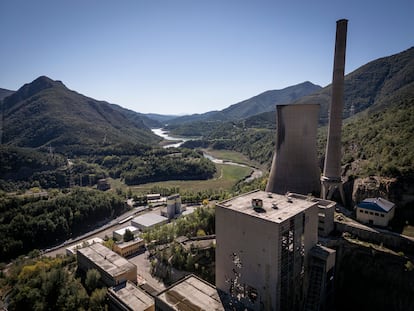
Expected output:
(375, 211)
(119, 234)
(148, 220)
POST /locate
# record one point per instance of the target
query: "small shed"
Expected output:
(375, 211)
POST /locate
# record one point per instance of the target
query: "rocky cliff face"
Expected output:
(399, 191)
(372, 279)
(374, 187)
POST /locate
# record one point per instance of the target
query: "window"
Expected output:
(371, 213)
(361, 211)
(376, 214)
(382, 215)
(366, 212)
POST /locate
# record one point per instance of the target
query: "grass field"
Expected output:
(225, 177)
(233, 156)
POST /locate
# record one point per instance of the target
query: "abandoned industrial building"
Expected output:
(262, 258)
(113, 268)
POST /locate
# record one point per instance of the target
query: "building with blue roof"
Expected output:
(375, 211)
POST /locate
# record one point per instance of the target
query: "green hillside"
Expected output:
(378, 138)
(369, 85)
(45, 113)
(263, 102)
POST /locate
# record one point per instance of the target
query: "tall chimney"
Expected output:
(331, 178)
(295, 165)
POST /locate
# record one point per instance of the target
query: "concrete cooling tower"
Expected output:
(295, 164)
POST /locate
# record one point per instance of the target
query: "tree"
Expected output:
(93, 278)
(97, 300)
(128, 235)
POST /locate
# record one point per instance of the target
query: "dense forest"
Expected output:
(31, 222)
(43, 283)
(24, 168)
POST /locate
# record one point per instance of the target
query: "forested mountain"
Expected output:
(263, 102)
(45, 113)
(4, 93)
(160, 117)
(371, 85)
(377, 138)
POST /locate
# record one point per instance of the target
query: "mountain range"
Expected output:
(369, 88)
(46, 113)
(260, 103)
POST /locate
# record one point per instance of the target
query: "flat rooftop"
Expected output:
(191, 293)
(107, 260)
(149, 219)
(132, 296)
(72, 249)
(276, 207)
(123, 230)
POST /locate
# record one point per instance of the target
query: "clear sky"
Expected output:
(191, 56)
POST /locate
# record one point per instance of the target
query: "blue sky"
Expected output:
(191, 56)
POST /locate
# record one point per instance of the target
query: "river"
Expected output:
(178, 141)
(175, 141)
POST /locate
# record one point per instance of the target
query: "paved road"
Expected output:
(101, 232)
(141, 260)
(144, 270)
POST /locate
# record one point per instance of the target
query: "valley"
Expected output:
(70, 165)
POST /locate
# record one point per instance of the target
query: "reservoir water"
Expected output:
(175, 141)
(178, 141)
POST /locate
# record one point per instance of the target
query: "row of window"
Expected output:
(371, 213)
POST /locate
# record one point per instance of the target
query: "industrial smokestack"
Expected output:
(331, 178)
(295, 165)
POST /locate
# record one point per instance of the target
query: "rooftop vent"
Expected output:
(274, 206)
(257, 203)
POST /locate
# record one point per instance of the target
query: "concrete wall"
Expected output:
(388, 239)
(255, 242)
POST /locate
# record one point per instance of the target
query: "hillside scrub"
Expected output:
(381, 143)
(50, 284)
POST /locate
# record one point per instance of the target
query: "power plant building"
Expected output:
(113, 268)
(190, 293)
(263, 244)
(173, 205)
(128, 297)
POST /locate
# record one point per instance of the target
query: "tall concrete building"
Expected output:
(261, 256)
(295, 165)
(331, 178)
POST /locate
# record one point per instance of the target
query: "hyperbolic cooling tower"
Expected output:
(295, 165)
(331, 178)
